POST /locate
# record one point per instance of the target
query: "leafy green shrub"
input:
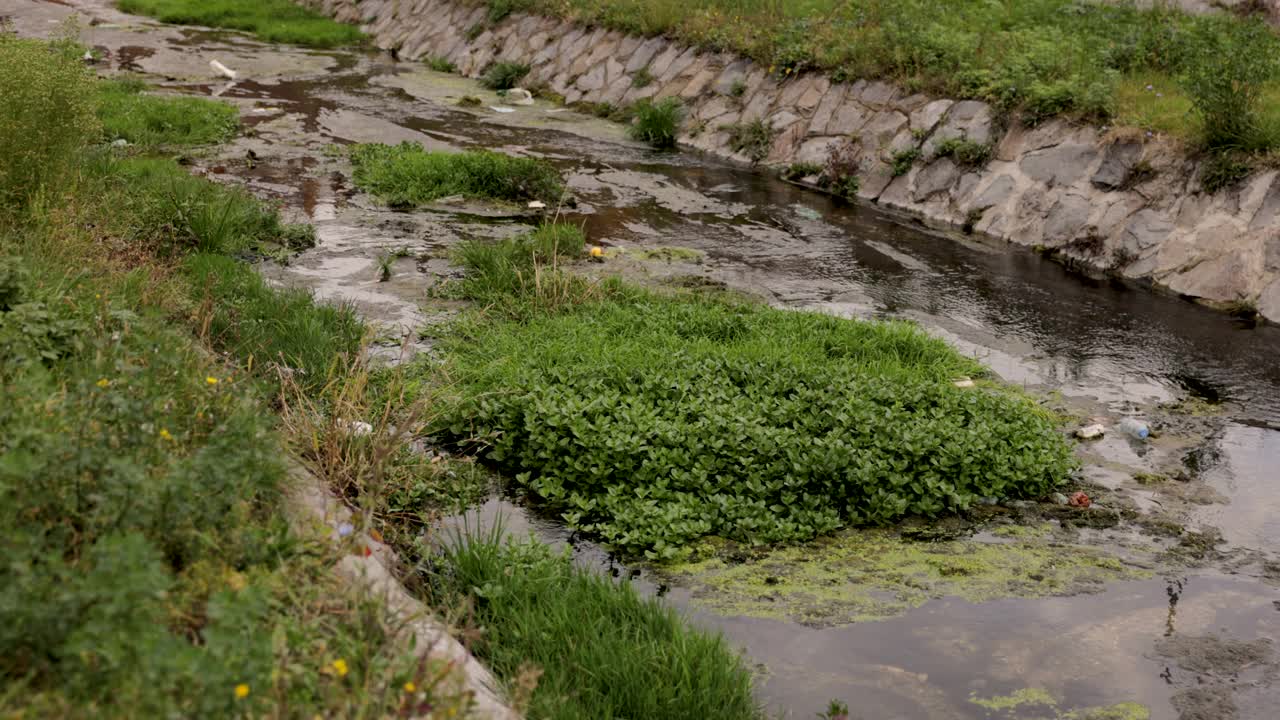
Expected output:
(46, 116)
(903, 160)
(652, 421)
(1227, 64)
(753, 138)
(964, 151)
(604, 651)
(656, 122)
(270, 20)
(406, 175)
(503, 75)
(152, 120)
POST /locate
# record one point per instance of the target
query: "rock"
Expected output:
(816, 149)
(848, 119)
(966, 119)
(1089, 432)
(882, 128)
(938, 176)
(927, 118)
(1059, 499)
(519, 96)
(1147, 229)
(1269, 302)
(1066, 219)
(1117, 161)
(996, 193)
(1059, 165)
(831, 102)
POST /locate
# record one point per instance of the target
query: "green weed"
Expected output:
(503, 75)
(406, 175)
(642, 78)
(752, 139)
(903, 160)
(654, 420)
(656, 123)
(151, 120)
(1227, 64)
(269, 20)
(47, 117)
(520, 275)
(603, 651)
(963, 151)
(796, 171)
(1223, 169)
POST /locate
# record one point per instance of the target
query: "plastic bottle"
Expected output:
(1134, 427)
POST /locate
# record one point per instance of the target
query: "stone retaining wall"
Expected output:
(1107, 201)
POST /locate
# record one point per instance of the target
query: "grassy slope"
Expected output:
(1041, 57)
(160, 523)
(269, 20)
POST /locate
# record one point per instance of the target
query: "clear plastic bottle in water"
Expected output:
(1134, 428)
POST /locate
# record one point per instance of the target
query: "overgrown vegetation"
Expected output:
(503, 75)
(148, 568)
(752, 138)
(128, 114)
(1037, 58)
(1226, 69)
(440, 64)
(269, 20)
(656, 123)
(652, 420)
(603, 651)
(903, 160)
(407, 175)
(964, 152)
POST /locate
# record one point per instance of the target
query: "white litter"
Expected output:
(964, 382)
(88, 56)
(501, 109)
(519, 96)
(222, 70)
(1088, 432)
(359, 427)
(536, 204)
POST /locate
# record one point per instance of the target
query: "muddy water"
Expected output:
(1100, 349)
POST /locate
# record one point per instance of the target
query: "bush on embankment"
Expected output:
(652, 420)
(1038, 58)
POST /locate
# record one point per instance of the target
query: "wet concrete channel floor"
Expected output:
(1099, 348)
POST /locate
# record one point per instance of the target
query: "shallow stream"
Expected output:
(1195, 637)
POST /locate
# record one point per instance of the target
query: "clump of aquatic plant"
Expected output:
(503, 75)
(406, 175)
(656, 123)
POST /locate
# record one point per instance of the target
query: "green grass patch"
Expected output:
(407, 175)
(963, 151)
(604, 651)
(652, 420)
(268, 20)
(153, 120)
(753, 138)
(264, 326)
(656, 123)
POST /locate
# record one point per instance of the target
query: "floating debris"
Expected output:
(223, 70)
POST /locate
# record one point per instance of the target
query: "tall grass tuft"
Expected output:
(656, 123)
(503, 75)
(603, 651)
(47, 117)
(151, 121)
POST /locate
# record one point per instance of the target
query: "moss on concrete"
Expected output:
(1039, 704)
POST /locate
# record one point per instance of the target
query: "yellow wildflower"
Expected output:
(242, 691)
(104, 383)
(211, 380)
(410, 687)
(165, 435)
(340, 667)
